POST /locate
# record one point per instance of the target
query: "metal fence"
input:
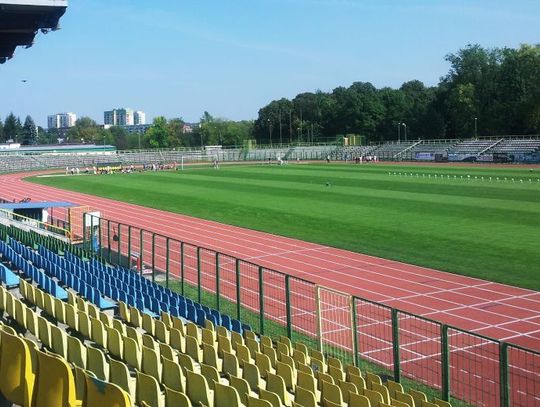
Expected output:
(445, 361)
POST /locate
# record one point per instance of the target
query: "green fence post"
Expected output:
(199, 293)
(395, 345)
(445, 364)
(182, 267)
(167, 262)
(261, 299)
(288, 305)
(109, 240)
(129, 247)
(238, 298)
(217, 283)
(84, 231)
(141, 249)
(153, 257)
(119, 245)
(99, 238)
(356, 350)
(504, 383)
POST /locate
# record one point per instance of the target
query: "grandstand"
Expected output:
(393, 150)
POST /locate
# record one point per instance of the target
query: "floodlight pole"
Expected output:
(405, 128)
(399, 132)
(475, 127)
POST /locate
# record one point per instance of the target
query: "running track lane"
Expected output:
(492, 309)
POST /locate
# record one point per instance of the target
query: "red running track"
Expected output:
(496, 310)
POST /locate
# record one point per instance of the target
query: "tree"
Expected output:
(157, 135)
(29, 132)
(11, 127)
(119, 137)
(85, 130)
(175, 133)
(1, 131)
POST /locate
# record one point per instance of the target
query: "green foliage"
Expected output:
(500, 87)
(157, 135)
(12, 128)
(29, 132)
(479, 228)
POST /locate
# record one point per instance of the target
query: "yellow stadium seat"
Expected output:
(243, 354)
(197, 389)
(177, 340)
(168, 352)
(336, 373)
(20, 313)
(251, 374)
(253, 346)
(166, 318)
(93, 311)
(123, 310)
(236, 339)
(346, 389)
(193, 349)
(418, 397)
(209, 325)
(48, 303)
(60, 310)
(76, 352)
(263, 363)
(305, 398)
(242, 387)
(208, 337)
(210, 357)
(132, 353)
(211, 375)
(97, 363)
(186, 362)
(104, 394)
(148, 391)
(148, 323)
(99, 332)
(226, 396)
(271, 353)
(119, 374)
(396, 403)
(271, 397)
(331, 392)
(393, 387)
(405, 398)
(442, 403)
(282, 349)
(383, 390)
(178, 323)
(372, 378)
(135, 317)
(59, 341)
(40, 302)
(358, 400)
(308, 382)
(85, 328)
(57, 386)
(288, 375)
(224, 344)
(108, 320)
(151, 363)
(172, 375)
(116, 324)
(193, 331)
(175, 398)
(161, 331)
(276, 384)
(358, 381)
(72, 299)
(231, 365)
(115, 344)
(374, 397)
(44, 330)
(150, 342)
(72, 319)
(17, 378)
(135, 335)
(257, 402)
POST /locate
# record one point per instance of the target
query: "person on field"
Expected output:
(328, 158)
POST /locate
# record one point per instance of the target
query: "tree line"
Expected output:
(486, 92)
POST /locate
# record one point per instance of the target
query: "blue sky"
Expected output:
(231, 57)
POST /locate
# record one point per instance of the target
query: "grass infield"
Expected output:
(478, 221)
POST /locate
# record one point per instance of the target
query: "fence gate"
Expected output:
(335, 324)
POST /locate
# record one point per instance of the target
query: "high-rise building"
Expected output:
(61, 120)
(139, 117)
(123, 117)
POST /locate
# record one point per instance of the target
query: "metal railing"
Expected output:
(452, 363)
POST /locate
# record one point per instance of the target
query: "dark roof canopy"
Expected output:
(20, 20)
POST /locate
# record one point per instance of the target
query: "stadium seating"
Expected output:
(153, 358)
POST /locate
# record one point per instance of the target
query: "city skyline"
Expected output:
(232, 59)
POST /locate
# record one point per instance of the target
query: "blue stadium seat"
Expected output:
(8, 277)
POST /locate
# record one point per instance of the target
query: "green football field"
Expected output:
(479, 221)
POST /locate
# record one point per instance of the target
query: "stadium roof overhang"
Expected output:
(20, 20)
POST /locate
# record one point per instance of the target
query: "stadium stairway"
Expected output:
(157, 360)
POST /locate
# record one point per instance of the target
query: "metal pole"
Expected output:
(199, 293)
(261, 299)
(280, 130)
(475, 127)
(290, 126)
(167, 262)
(405, 126)
(395, 345)
(182, 267)
(445, 364)
(399, 132)
(154, 257)
(504, 383)
(356, 348)
(288, 305)
(238, 292)
(217, 282)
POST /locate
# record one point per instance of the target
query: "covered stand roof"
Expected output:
(20, 20)
(35, 205)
